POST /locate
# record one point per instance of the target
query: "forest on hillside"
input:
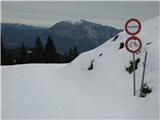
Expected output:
(37, 54)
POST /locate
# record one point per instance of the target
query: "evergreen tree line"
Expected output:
(38, 54)
(5, 56)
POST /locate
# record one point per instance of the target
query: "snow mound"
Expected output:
(73, 91)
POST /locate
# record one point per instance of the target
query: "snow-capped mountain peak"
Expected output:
(74, 21)
(88, 35)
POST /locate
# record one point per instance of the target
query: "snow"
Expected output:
(74, 22)
(71, 91)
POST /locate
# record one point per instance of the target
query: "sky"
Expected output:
(48, 13)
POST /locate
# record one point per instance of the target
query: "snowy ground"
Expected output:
(72, 91)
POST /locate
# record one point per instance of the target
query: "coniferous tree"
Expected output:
(37, 54)
(75, 52)
(6, 58)
(70, 55)
(3, 52)
(23, 54)
(50, 53)
(65, 57)
(9, 59)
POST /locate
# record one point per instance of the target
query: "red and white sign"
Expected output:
(133, 26)
(133, 44)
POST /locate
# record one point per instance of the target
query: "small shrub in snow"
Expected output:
(121, 45)
(91, 65)
(115, 38)
(146, 90)
(148, 43)
(100, 55)
(130, 68)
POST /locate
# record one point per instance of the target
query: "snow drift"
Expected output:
(73, 91)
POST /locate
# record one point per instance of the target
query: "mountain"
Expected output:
(66, 34)
(84, 34)
(15, 34)
(71, 91)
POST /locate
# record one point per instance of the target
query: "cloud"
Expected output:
(48, 13)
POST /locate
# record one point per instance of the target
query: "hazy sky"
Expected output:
(48, 13)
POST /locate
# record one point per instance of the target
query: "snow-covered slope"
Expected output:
(73, 91)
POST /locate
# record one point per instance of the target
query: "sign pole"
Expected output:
(133, 44)
(144, 68)
(134, 79)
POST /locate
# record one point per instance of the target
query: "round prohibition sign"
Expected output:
(133, 44)
(133, 26)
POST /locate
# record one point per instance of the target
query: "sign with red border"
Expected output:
(133, 44)
(133, 26)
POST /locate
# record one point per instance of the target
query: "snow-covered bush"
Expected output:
(100, 54)
(145, 90)
(130, 68)
(91, 65)
(121, 45)
(115, 38)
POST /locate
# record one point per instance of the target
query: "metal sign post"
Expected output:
(133, 44)
(134, 77)
(144, 68)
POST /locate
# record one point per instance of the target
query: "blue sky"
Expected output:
(48, 13)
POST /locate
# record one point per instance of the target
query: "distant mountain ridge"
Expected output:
(21, 26)
(15, 34)
(66, 34)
